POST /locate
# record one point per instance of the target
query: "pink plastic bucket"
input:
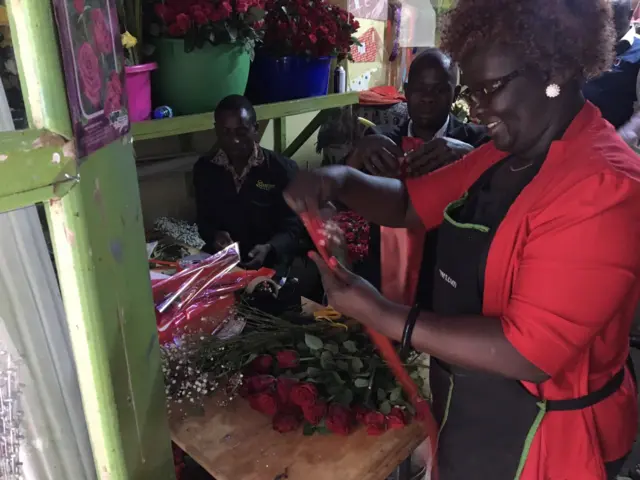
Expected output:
(138, 82)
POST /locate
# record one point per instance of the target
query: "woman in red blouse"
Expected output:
(538, 267)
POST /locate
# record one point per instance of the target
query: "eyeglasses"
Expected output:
(490, 89)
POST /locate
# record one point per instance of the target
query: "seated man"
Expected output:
(614, 91)
(239, 192)
(408, 258)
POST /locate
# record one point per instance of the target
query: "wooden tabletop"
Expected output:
(234, 442)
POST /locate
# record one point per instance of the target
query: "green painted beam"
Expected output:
(98, 239)
(196, 123)
(279, 134)
(306, 133)
(40, 164)
(41, 76)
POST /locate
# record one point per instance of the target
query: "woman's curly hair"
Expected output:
(560, 38)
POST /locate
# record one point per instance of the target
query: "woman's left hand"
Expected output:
(348, 293)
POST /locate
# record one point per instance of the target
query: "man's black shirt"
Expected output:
(251, 209)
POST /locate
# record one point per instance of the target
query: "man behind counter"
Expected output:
(238, 192)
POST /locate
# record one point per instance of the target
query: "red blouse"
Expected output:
(562, 275)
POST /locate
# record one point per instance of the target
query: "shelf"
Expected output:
(204, 121)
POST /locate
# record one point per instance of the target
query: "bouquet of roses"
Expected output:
(214, 21)
(328, 386)
(313, 28)
(356, 234)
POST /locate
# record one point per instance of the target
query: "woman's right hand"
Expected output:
(310, 190)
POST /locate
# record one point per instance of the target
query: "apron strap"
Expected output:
(590, 399)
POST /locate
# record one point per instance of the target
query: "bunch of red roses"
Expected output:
(215, 21)
(356, 233)
(292, 402)
(313, 28)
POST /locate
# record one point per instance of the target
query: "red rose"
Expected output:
(261, 364)
(113, 96)
(183, 21)
(284, 387)
(315, 413)
(376, 423)
(304, 394)
(338, 419)
(264, 402)
(101, 32)
(313, 38)
(165, 13)
(286, 422)
(396, 418)
(226, 8)
(256, 384)
(90, 75)
(175, 30)
(422, 409)
(243, 6)
(78, 5)
(200, 18)
(360, 412)
(288, 359)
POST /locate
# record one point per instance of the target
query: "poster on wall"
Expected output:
(369, 9)
(94, 71)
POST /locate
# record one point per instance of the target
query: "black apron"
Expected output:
(487, 422)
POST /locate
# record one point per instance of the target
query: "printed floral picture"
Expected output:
(94, 70)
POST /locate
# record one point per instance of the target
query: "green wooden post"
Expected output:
(95, 222)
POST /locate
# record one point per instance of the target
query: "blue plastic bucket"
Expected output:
(288, 78)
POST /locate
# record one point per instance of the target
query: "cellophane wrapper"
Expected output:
(199, 298)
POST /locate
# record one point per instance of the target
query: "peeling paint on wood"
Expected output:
(48, 139)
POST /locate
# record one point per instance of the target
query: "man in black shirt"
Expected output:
(239, 192)
(431, 89)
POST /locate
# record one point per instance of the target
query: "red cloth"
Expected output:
(386, 95)
(562, 275)
(401, 251)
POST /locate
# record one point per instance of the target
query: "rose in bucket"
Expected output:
(214, 21)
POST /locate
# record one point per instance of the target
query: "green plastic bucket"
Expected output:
(195, 82)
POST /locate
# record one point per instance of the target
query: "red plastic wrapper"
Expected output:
(315, 227)
(199, 298)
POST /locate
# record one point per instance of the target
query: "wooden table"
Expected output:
(234, 442)
(237, 443)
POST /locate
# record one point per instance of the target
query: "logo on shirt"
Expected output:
(448, 279)
(264, 186)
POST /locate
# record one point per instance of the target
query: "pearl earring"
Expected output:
(553, 90)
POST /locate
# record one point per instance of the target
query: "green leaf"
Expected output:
(308, 429)
(396, 394)
(344, 398)
(336, 376)
(313, 371)
(350, 346)
(313, 342)
(357, 365)
(255, 14)
(342, 365)
(323, 430)
(250, 358)
(332, 347)
(385, 408)
(361, 382)
(302, 347)
(300, 376)
(381, 394)
(326, 360)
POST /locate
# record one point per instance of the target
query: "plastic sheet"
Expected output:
(199, 298)
(314, 226)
